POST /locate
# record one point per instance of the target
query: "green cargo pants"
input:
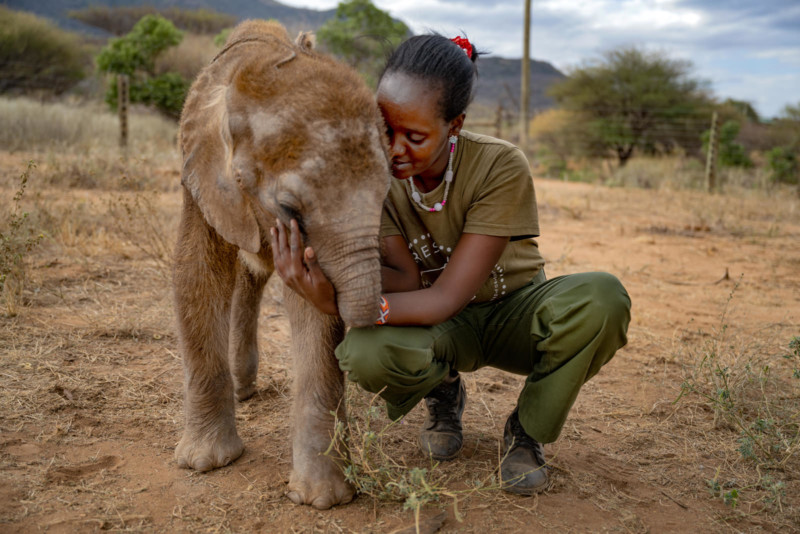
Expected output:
(557, 332)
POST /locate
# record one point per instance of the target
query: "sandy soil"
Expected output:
(90, 380)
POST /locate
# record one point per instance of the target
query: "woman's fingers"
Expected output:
(281, 253)
(314, 270)
(299, 268)
(287, 252)
(295, 238)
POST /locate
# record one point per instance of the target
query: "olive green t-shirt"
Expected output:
(491, 194)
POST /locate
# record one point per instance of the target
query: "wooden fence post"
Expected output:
(122, 107)
(711, 159)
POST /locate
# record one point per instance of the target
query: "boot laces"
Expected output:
(522, 439)
(443, 405)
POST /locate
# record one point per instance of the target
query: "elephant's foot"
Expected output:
(204, 452)
(320, 483)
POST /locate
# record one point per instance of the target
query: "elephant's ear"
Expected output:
(208, 172)
(306, 40)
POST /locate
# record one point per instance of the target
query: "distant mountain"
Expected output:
(498, 82)
(291, 17)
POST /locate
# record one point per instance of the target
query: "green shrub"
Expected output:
(730, 153)
(222, 37)
(35, 55)
(166, 93)
(360, 34)
(783, 165)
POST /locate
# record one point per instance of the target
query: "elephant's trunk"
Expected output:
(353, 266)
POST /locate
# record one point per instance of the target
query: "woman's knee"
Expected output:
(609, 311)
(359, 355)
(610, 297)
(597, 305)
(377, 357)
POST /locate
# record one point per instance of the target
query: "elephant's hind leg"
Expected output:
(243, 352)
(203, 284)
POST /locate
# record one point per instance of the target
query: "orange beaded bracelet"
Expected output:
(384, 311)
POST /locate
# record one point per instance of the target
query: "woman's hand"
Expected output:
(299, 269)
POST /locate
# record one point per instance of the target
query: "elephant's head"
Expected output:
(272, 129)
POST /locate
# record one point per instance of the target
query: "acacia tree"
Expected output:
(361, 35)
(135, 55)
(632, 98)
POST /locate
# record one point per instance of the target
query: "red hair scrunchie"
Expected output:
(465, 45)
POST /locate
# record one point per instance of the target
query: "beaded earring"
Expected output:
(448, 179)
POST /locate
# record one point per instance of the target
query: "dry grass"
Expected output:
(80, 128)
(374, 457)
(18, 238)
(680, 172)
(752, 387)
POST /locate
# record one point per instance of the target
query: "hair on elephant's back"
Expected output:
(312, 81)
(251, 28)
(262, 63)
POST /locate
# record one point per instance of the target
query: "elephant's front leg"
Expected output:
(204, 282)
(318, 390)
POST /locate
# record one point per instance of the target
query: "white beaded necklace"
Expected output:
(448, 179)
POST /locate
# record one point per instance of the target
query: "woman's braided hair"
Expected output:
(435, 58)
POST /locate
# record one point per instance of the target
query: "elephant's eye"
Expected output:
(292, 213)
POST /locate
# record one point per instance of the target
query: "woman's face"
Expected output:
(417, 132)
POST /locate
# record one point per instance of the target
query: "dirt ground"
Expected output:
(91, 380)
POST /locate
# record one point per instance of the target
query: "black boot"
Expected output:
(523, 467)
(441, 436)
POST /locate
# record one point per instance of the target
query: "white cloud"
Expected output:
(763, 34)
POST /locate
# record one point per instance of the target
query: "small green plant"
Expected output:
(17, 240)
(718, 490)
(794, 356)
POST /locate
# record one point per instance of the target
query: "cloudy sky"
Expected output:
(747, 49)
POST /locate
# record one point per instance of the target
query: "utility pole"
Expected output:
(526, 77)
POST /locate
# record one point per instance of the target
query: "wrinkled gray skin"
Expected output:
(271, 130)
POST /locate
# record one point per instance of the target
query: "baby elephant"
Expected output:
(273, 130)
